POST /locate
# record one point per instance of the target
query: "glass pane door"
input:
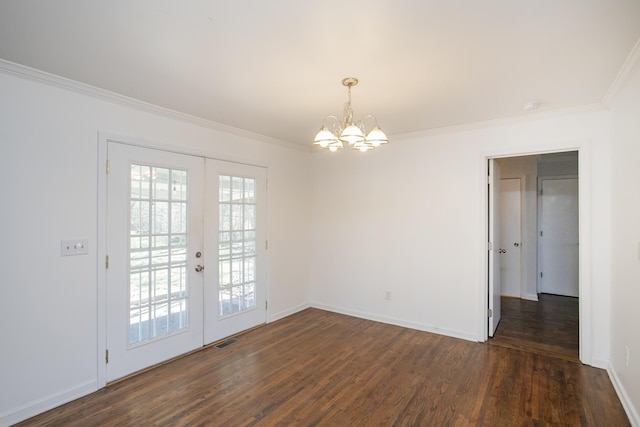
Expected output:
(158, 280)
(235, 291)
(154, 297)
(237, 244)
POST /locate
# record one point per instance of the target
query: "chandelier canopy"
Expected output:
(347, 131)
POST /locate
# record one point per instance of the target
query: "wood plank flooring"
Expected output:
(548, 326)
(317, 368)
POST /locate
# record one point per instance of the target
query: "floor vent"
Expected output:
(226, 343)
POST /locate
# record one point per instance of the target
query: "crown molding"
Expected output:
(628, 68)
(504, 121)
(28, 73)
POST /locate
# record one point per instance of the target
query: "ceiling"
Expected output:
(275, 67)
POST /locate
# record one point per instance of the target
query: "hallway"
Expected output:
(549, 326)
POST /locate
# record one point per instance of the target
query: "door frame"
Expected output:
(584, 219)
(101, 239)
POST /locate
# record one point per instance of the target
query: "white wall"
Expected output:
(48, 167)
(410, 218)
(625, 287)
(525, 168)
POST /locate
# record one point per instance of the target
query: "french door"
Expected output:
(236, 299)
(185, 267)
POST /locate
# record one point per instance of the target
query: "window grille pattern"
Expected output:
(158, 288)
(237, 244)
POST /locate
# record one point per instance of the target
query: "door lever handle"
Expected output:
(199, 268)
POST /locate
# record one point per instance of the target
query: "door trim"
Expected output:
(103, 139)
(584, 255)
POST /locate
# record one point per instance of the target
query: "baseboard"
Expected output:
(398, 322)
(631, 411)
(597, 363)
(39, 406)
(288, 312)
(530, 297)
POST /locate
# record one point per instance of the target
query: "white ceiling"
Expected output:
(275, 67)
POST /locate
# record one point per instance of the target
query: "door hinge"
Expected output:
(540, 233)
(106, 356)
(489, 179)
(266, 184)
(108, 166)
(266, 245)
(266, 305)
(490, 313)
(541, 274)
(106, 262)
(490, 246)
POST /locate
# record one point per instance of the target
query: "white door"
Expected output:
(558, 237)
(154, 230)
(235, 229)
(510, 268)
(494, 246)
(187, 263)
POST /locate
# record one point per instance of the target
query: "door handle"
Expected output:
(199, 268)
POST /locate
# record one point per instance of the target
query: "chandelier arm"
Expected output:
(375, 119)
(336, 126)
(330, 116)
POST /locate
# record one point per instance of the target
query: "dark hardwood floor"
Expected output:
(548, 326)
(317, 368)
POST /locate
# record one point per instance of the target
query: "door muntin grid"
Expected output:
(158, 286)
(237, 244)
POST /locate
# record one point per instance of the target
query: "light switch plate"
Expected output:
(74, 247)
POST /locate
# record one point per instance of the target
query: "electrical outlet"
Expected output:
(387, 296)
(74, 247)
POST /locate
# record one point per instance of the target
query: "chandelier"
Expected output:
(349, 132)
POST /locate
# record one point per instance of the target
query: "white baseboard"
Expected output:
(631, 411)
(288, 312)
(530, 297)
(398, 322)
(597, 363)
(44, 404)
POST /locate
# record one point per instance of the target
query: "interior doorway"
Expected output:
(527, 302)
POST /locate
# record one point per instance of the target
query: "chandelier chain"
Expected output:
(348, 111)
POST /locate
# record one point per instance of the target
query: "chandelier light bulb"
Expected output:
(376, 137)
(352, 134)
